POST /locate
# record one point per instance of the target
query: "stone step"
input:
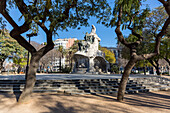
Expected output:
(9, 91)
(156, 86)
(69, 85)
(88, 86)
(146, 82)
(159, 89)
(100, 90)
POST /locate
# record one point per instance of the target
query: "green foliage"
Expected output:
(61, 14)
(131, 9)
(109, 56)
(153, 24)
(66, 69)
(2, 24)
(9, 48)
(156, 19)
(20, 61)
(114, 68)
(165, 48)
(74, 47)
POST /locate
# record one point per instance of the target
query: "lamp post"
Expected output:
(29, 36)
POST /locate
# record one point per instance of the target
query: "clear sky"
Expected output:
(107, 35)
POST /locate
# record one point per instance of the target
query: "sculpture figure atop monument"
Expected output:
(93, 30)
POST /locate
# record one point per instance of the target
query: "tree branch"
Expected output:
(160, 34)
(167, 60)
(140, 37)
(22, 7)
(145, 56)
(43, 27)
(117, 30)
(152, 62)
(3, 5)
(15, 33)
(163, 2)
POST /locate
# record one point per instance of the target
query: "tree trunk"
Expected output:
(31, 79)
(60, 64)
(166, 59)
(124, 79)
(157, 70)
(1, 65)
(156, 65)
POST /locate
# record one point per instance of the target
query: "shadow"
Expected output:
(74, 104)
(149, 100)
(16, 91)
(108, 97)
(7, 95)
(59, 108)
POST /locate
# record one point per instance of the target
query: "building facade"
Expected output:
(65, 43)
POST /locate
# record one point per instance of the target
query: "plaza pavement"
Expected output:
(69, 76)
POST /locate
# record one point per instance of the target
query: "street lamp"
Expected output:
(29, 36)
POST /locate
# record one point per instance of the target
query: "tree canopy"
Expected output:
(129, 14)
(109, 56)
(9, 48)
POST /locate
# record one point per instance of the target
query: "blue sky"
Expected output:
(107, 35)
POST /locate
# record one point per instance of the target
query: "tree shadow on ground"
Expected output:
(16, 91)
(71, 105)
(108, 97)
(150, 99)
(59, 108)
(5, 95)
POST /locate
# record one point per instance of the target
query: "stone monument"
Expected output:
(89, 59)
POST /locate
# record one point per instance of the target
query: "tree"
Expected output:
(73, 49)
(50, 16)
(165, 49)
(47, 60)
(109, 56)
(9, 48)
(63, 52)
(141, 49)
(154, 23)
(127, 14)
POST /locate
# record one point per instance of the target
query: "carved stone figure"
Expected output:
(88, 49)
(93, 30)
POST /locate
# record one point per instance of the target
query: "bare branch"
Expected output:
(145, 56)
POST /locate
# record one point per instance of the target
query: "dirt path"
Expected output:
(155, 102)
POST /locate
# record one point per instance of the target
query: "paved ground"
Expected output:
(154, 102)
(67, 76)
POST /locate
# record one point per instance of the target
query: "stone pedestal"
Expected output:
(91, 66)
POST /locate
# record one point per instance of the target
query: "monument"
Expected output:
(89, 59)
